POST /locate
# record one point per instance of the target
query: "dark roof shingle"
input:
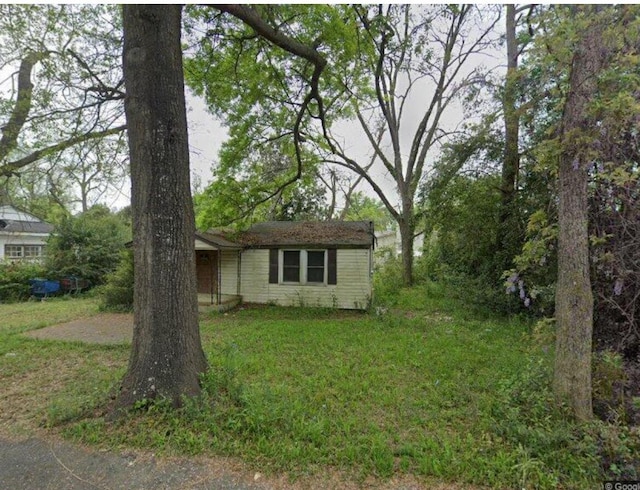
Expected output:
(357, 234)
(218, 239)
(14, 226)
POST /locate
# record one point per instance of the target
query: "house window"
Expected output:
(315, 266)
(13, 252)
(23, 252)
(303, 266)
(32, 252)
(291, 266)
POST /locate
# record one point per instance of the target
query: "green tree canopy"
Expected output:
(379, 59)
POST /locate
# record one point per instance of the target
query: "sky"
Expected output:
(206, 135)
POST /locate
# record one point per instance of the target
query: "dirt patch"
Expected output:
(105, 328)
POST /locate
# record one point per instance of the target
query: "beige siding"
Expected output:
(229, 272)
(353, 290)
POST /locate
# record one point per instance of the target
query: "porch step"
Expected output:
(226, 305)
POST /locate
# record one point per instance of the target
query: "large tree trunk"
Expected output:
(167, 357)
(574, 299)
(406, 244)
(507, 244)
(407, 227)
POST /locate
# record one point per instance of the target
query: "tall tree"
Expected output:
(508, 239)
(167, 357)
(410, 45)
(574, 298)
(386, 62)
(65, 85)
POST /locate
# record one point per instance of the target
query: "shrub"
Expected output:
(608, 379)
(117, 293)
(430, 265)
(482, 296)
(387, 282)
(87, 245)
(14, 279)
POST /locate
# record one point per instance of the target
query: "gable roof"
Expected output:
(13, 220)
(217, 240)
(353, 234)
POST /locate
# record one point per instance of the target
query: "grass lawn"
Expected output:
(427, 389)
(44, 380)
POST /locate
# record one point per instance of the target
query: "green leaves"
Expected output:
(87, 245)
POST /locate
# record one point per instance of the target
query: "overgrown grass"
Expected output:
(44, 381)
(423, 388)
(29, 315)
(417, 389)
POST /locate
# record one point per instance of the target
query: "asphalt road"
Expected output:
(37, 464)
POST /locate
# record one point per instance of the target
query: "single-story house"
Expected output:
(22, 235)
(288, 263)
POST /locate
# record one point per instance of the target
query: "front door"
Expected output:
(207, 271)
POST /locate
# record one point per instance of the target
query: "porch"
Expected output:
(217, 272)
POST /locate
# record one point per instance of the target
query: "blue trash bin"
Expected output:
(42, 288)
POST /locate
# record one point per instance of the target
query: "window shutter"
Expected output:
(332, 270)
(273, 266)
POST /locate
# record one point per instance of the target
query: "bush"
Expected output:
(387, 282)
(14, 280)
(479, 295)
(555, 448)
(609, 379)
(117, 293)
(87, 245)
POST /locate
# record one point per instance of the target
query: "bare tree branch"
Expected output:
(21, 108)
(10, 168)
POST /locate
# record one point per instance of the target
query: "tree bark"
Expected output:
(11, 130)
(407, 227)
(574, 298)
(506, 245)
(167, 357)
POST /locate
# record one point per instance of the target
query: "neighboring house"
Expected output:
(22, 235)
(390, 241)
(326, 264)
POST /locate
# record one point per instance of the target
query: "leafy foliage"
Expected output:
(117, 292)
(612, 147)
(379, 59)
(14, 279)
(463, 219)
(250, 190)
(87, 245)
(257, 90)
(364, 208)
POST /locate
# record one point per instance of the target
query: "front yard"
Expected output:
(426, 391)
